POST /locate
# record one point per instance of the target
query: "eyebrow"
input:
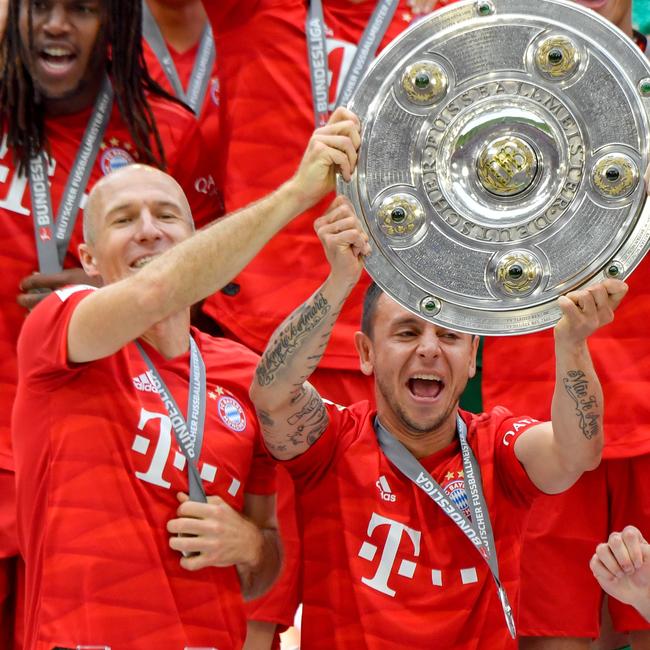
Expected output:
(405, 320)
(158, 204)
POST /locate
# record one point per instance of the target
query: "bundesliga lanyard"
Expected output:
(479, 529)
(317, 51)
(189, 437)
(201, 72)
(51, 251)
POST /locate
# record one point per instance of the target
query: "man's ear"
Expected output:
(472, 364)
(88, 260)
(363, 344)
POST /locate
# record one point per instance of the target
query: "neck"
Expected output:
(422, 443)
(84, 97)
(170, 336)
(182, 25)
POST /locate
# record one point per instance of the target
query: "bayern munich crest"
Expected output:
(455, 490)
(115, 158)
(231, 413)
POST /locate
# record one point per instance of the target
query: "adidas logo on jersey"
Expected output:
(384, 490)
(144, 382)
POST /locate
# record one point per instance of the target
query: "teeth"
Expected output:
(427, 377)
(138, 264)
(57, 51)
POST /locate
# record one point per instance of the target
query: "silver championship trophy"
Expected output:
(503, 149)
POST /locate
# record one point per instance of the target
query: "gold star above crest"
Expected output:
(449, 476)
(461, 474)
(114, 142)
(212, 395)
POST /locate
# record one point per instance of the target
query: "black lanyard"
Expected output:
(479, 529)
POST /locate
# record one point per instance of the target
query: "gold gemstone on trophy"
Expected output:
(507, 166)
(424, 82)
(615, 175)
(517, 273)
(400, 215)
(557, 57)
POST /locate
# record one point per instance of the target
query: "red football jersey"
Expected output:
(266, 121)
(98, 469)
(384, 567)
(181, 137)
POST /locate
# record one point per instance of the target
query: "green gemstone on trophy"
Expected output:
(515, 271)
(485, 9)
(398, 215)
(613, 271)
(422, 80)
(644, 86)
(430, 305)
(555, 56)
(612, 174)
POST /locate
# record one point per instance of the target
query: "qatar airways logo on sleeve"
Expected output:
(516, 427)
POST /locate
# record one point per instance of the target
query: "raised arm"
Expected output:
(290, 409)
(622, 567)
(556, 453)
(202, 264)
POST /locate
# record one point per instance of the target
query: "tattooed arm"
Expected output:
(290, 409)
(556, 453)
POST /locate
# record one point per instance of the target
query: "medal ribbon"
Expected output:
(188, 436)
(479, 529)
(203, 64)
(52, 246)
(372, 36)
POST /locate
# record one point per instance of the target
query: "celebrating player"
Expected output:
(411, 517)
(120, 407)
(75, 104)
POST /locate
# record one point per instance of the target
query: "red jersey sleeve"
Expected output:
(345, 426)
(43, 341)
(509, 470)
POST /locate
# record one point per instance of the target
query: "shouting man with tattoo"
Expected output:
(411, 516)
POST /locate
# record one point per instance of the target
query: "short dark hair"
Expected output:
(370, 307)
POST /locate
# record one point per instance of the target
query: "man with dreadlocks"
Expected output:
(76, 102)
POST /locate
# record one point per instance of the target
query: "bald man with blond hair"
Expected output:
(146, 505)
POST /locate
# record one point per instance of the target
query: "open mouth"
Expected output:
(57, 59)
(142, 261)
(425, 386)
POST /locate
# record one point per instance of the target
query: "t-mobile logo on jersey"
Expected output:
(394, 536)
(159, 466)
